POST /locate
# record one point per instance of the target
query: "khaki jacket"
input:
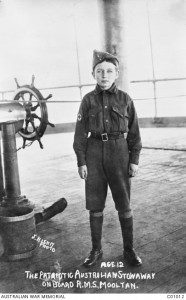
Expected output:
(107, 111)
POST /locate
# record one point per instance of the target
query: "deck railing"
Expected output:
(152, 81)
(155, 97)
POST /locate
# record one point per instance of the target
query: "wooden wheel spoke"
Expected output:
(30, 98)
(35, 107)
(35, 116)
(33, 125)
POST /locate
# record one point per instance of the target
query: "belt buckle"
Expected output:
(104, 137)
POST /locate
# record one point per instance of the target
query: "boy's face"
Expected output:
(105, 74)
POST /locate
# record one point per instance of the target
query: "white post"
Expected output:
(112, 25)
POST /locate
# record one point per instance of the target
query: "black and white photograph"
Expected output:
(92, 149)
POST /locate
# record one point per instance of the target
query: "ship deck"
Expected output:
(159, 206)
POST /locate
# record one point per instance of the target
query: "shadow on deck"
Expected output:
(158, 201)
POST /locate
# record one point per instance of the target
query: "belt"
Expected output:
(104, 137)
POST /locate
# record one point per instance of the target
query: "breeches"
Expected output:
(108, 165)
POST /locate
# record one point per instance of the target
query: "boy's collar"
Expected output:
(112, 90)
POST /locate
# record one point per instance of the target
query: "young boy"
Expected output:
(107, 144)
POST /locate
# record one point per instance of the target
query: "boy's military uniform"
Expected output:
(107, 139)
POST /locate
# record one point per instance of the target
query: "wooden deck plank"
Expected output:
(173, 285)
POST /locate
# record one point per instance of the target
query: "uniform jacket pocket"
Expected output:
(94, 119)
(119, 119)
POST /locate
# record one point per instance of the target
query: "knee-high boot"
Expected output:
(96, 223)
(127, 234)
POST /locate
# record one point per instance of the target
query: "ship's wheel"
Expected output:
(35, 106)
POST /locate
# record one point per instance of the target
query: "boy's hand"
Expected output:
(133, 169)
(83, 173)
